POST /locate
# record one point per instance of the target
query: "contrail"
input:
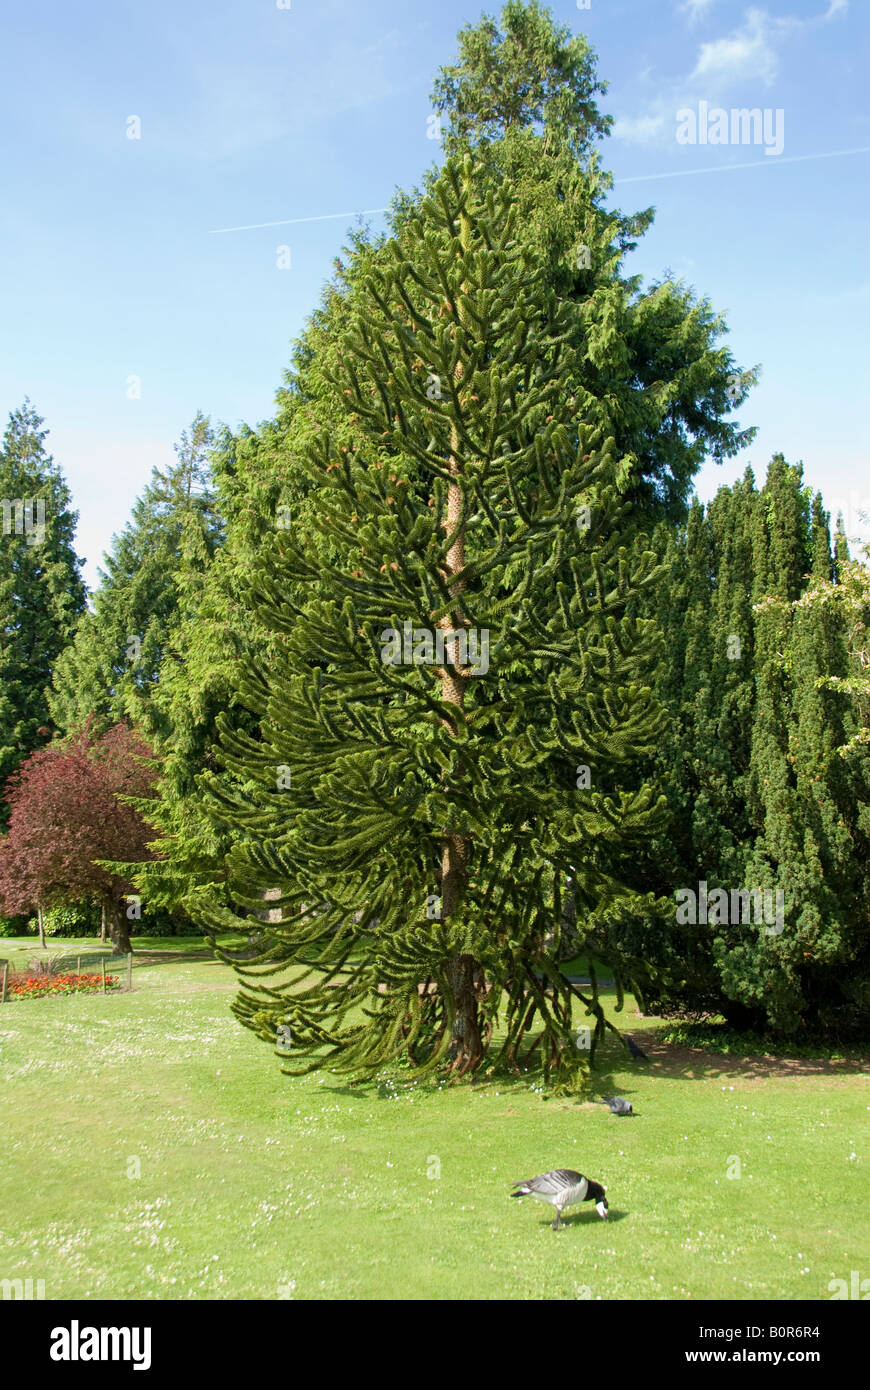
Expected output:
(765, 163)
(292, 221)
(752, 164)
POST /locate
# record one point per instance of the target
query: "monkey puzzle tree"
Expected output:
(460, 690)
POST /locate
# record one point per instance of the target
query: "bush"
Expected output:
(68, 919)
(13, 926)
(83, 919)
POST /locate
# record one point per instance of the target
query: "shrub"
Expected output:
(13, 926)
(68, 919)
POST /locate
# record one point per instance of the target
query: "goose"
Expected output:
(562, 1188)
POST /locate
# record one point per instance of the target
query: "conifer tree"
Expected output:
(812, 806)
(447, 727)
(647, 368)
(114, 667)
(522, 96)
(765, 771)
(41, 590)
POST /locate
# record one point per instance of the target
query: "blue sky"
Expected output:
(111, 265)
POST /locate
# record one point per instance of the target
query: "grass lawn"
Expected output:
(252, 1184)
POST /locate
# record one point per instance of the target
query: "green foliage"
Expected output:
(646, 359)
(378, 785)
(645, 365)
(68, 919)
(41, 590)
(118, 661)
(762, 640)
(528, 73)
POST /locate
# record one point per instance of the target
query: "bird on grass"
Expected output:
(635, 1050)
(618, 1105)
(562, 1188)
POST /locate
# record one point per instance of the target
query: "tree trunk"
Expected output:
(118, 929)
(41, 928)
(466, 1045)
(102, 923)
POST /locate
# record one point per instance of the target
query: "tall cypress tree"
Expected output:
(446, 731)
(41, 590)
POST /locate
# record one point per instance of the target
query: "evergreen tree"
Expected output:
(765, 771)
(530, 73)
(447, 725)
(812, 806)
(705, 680)
(115, 666)
(41, 590)
(646, 368)
(522, 97)
(260, 487)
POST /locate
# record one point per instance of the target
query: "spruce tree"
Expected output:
(448, 725)
(41, 590)
(114, 668)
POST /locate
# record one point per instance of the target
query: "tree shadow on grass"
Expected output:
(677, 1062)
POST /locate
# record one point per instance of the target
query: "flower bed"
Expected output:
(22, 985)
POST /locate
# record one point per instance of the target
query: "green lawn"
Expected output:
(255, 1185)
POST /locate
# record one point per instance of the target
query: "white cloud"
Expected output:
(747, 53)
(750, 53)
(696, 9)
(641, 130)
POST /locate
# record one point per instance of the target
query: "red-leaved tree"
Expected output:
(65, 816)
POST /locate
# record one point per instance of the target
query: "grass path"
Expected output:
(256, 1185)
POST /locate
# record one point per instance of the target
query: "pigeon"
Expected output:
(562, 1187)
(635, 1050)
(618, 1105)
